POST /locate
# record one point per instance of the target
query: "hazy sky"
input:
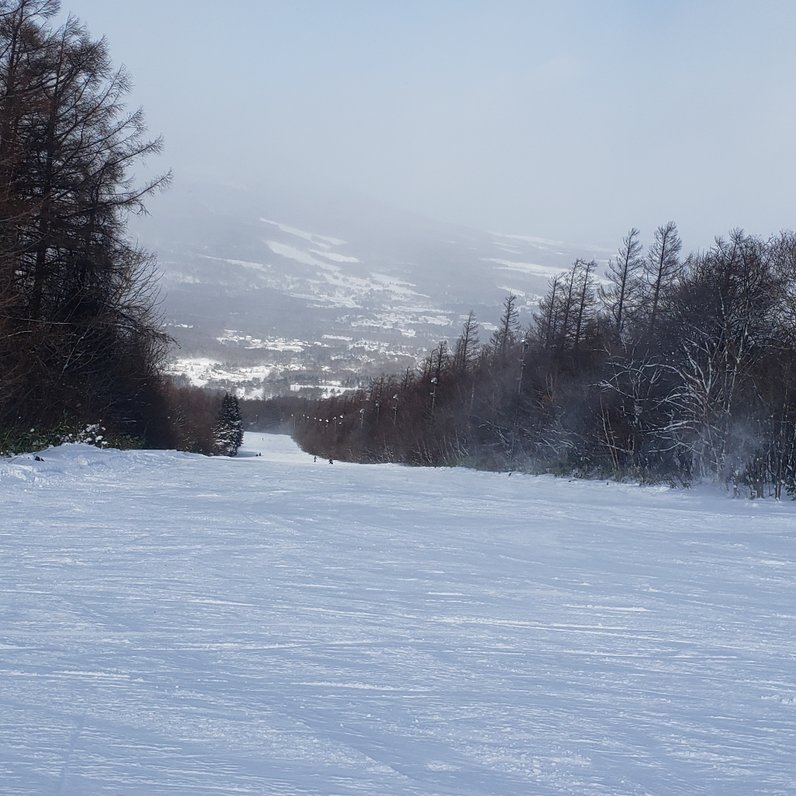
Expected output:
(571, 119)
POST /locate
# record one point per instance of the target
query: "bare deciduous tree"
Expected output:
(78, 323)
(622, 298)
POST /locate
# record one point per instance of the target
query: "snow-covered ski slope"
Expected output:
(172, 624)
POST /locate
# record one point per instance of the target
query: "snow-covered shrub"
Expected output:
(34, 439)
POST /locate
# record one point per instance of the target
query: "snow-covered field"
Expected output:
(171, 624)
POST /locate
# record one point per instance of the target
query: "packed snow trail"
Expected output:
(173, 624)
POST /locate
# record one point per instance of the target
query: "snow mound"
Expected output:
(79, 460)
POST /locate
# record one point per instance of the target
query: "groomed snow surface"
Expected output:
(173, 624)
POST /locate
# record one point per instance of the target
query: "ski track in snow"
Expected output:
(173, 624)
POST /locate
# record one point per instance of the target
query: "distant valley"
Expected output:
(273, 297)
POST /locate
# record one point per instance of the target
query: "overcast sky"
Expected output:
(567, 119)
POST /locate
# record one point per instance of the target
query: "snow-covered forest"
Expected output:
(671, 367)
(179, 624)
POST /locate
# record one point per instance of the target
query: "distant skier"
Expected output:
(330, 461)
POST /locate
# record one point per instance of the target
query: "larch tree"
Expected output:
(662, 268)
(466, 348)
(79, 332)
(506, 334)
(622, 297)
(585, 300)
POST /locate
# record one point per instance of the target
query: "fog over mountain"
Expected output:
(270, 292)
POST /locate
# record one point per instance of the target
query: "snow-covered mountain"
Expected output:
(275, 295)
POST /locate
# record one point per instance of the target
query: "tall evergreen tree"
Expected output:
(228, 431)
